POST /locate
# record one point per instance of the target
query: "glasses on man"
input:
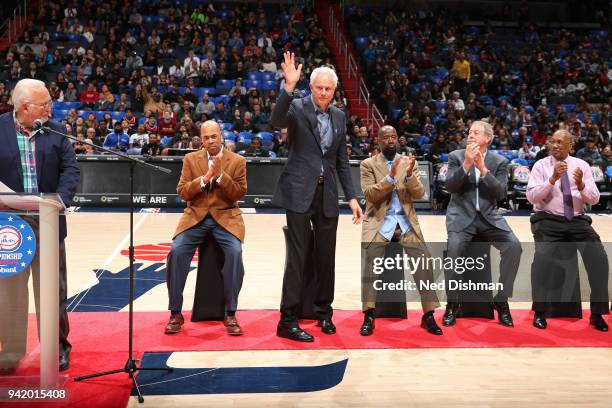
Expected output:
(44, 105)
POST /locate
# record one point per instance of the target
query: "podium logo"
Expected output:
(10, 238)
(17, 245)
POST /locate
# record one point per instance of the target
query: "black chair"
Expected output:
(563, 287)
(209, 302)
(474, 303)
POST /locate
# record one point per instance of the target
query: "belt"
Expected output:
(320, 180)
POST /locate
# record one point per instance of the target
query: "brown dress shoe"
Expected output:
(174, 324)
(232, 327)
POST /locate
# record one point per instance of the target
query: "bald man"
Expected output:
(559, 187)
(212, 181)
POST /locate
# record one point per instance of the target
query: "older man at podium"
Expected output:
(34, 161)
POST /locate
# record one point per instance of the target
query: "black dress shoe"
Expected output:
(503, 313)
(599, 323)
(539, 321)
(327, 326)
(450, 315)
(429, 323)
(64, 361)
(293, 333)
(367, 327)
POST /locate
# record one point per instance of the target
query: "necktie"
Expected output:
(568, 204)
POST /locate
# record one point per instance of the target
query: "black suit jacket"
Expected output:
(56, 167)
(461, 210)
(298, 181)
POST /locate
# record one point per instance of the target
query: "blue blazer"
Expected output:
(56, 166)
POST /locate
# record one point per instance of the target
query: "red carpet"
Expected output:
(100, 341)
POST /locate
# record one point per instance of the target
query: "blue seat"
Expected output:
(117, 116)
(271, 154)
(268, 85)
(443, 157)
(225, 84)
(569, 107)
(227, 126)
(248, 84)
(229, 135)
(202, 91)
(421, 140)
(253, 76)
(244, 137)
(361, 43)
(266, 136)
(395, 114)
(440, 104)
(267, 76)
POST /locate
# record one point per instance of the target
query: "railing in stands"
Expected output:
(373, 115)
(9, 28)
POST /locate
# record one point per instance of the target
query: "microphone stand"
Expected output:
(130, 366)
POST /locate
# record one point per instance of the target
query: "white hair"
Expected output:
(323, 70)
(21, 92)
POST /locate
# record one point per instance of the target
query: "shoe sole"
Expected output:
(292, 339)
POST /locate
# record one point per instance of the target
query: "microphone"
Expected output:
(37, 125)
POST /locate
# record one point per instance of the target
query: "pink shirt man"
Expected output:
(549, 198)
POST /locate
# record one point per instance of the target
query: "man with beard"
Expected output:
(390, 182)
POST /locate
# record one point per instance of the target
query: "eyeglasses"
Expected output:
(48, 104)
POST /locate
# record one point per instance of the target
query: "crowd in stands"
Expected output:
(122, 71)
(432, 75)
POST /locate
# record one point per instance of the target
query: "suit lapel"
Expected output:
(202, 161)
(311, 116)
(10, 138)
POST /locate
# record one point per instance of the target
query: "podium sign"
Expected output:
(29, 245)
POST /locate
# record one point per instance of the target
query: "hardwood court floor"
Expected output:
(495, 377)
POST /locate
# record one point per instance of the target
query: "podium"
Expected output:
(29, 223)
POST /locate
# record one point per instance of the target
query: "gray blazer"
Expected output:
(298, 181)
(461, 210)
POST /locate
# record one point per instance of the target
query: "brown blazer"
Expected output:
(377, 192)
(221, 201)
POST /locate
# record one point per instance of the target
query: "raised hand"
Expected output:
(395, 166)
(560, 168)
(292, 74)
(410, 164)
(470, 156)
(578, 179)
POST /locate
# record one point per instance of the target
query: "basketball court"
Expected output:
(476, 363)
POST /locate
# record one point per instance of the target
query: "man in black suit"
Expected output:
(477, 179)
(307, 190)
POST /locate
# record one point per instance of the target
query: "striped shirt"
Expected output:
(26, 141)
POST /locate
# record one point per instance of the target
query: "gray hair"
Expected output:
(323, 70)
(21, 92)
(488, 129)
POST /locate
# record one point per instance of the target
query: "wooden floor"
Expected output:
(409, 377)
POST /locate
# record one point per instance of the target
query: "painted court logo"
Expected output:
(17, 245)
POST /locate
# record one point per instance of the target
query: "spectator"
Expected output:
(528, 151)
(590, 153)
(118, 139)
(255, 149)
(205, 106)
(152, 147)
(138, 139)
